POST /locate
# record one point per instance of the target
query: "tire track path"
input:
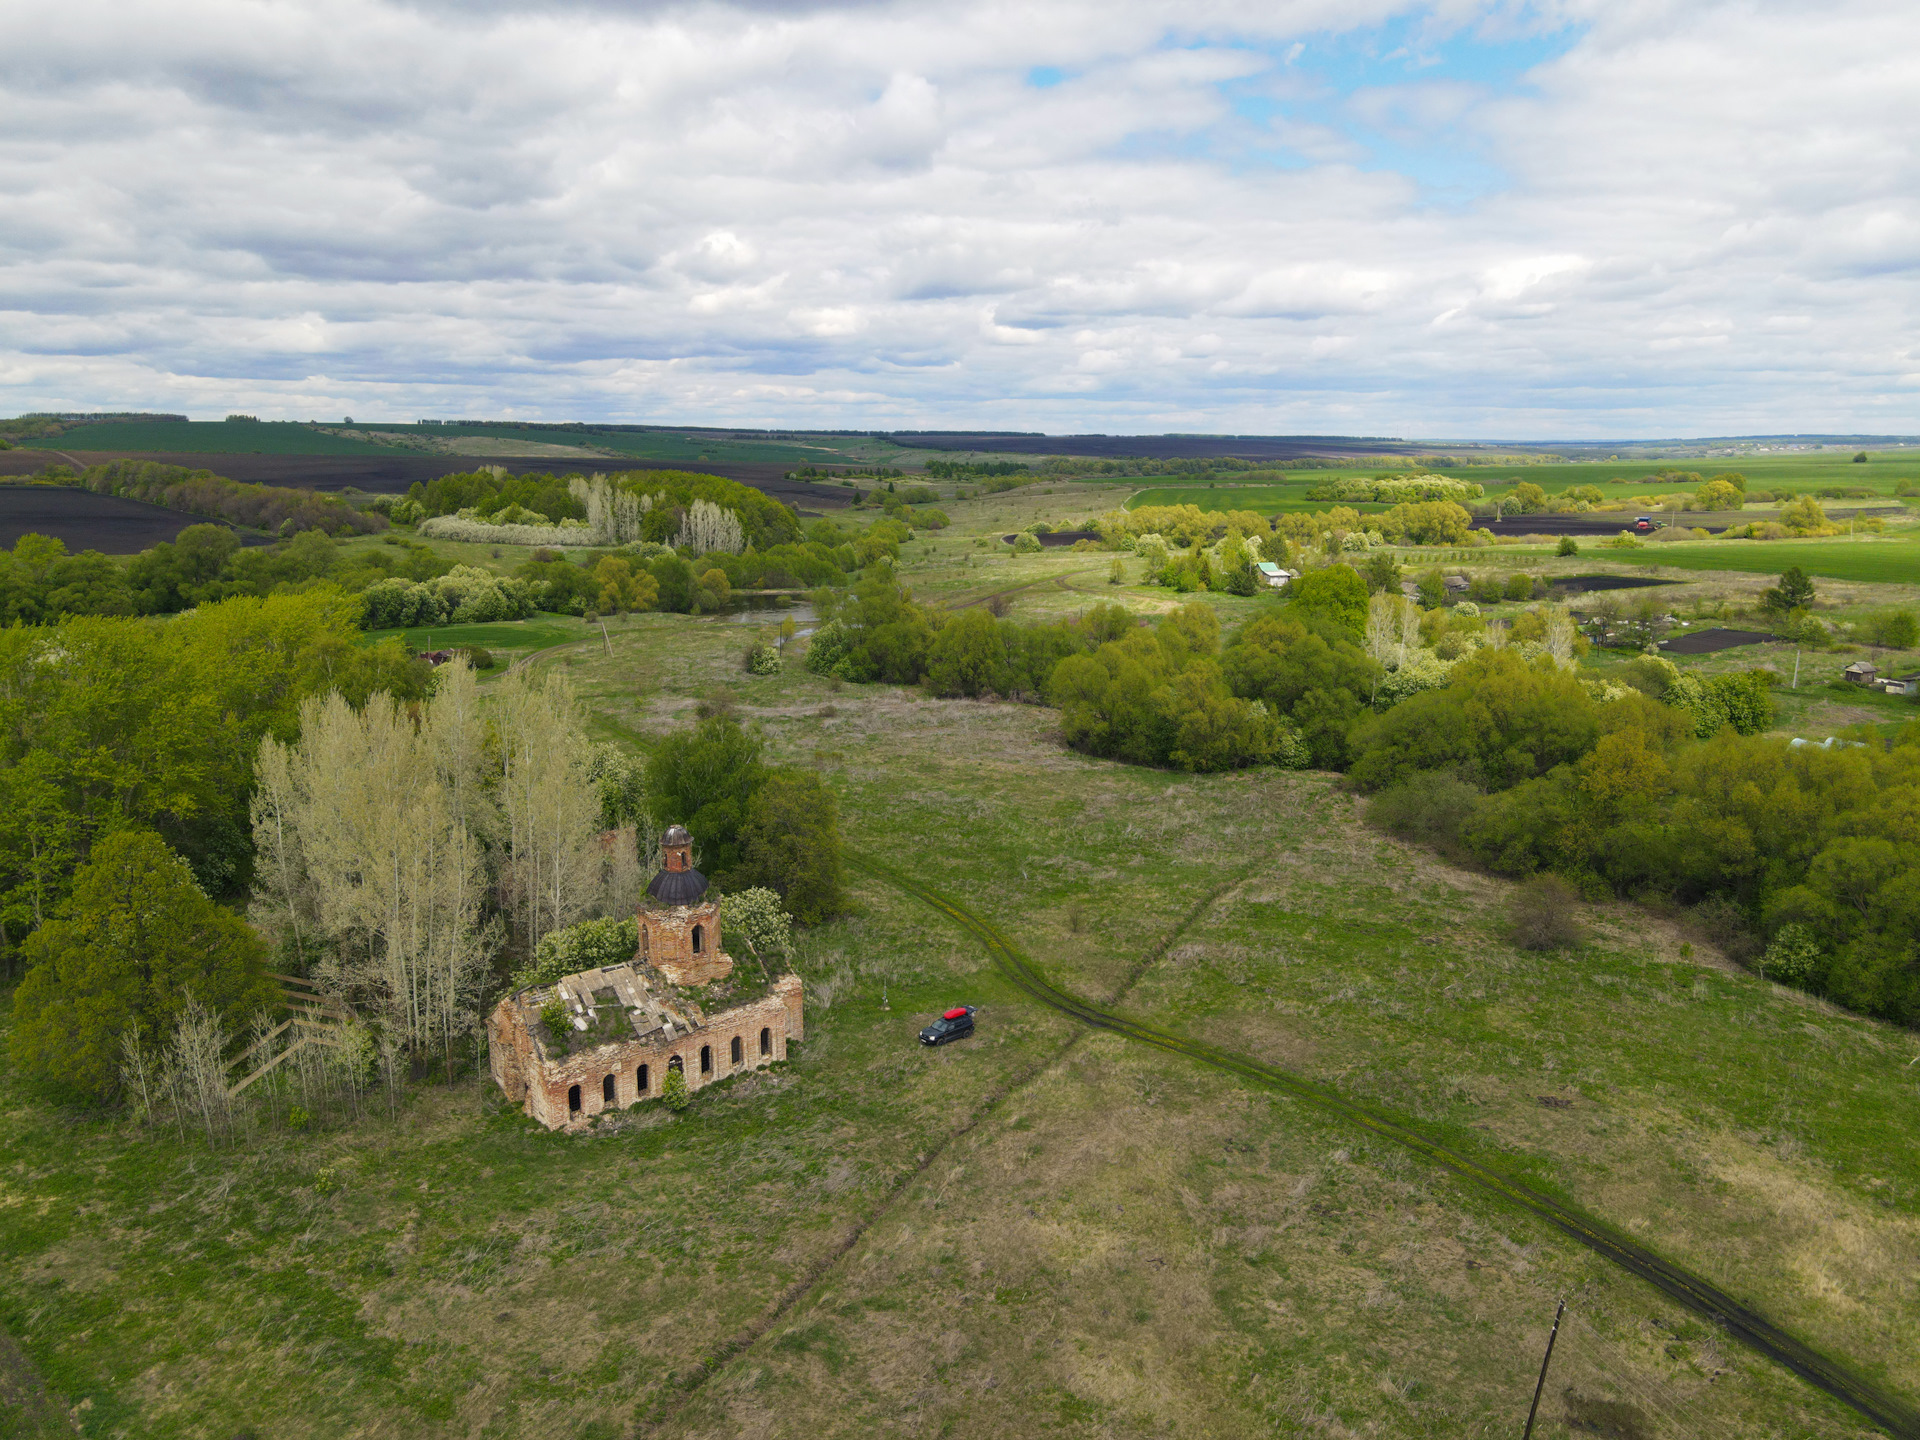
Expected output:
(1881, 1407)
(816, 1274)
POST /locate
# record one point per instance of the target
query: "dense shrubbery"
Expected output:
(139, 942)
(776, 829)
(1520, 767)
(1396, 488)
(111, 723)
(607, 583)
(278, 508)
(1160, 697)
(495, 496)
(40, 581)
(465, 595)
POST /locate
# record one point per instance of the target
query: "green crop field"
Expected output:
(219, 437)
(210, 437)
(1879, 561)
(1620, 479)
(1047, 1229)
(1262, 499)
(662, 447)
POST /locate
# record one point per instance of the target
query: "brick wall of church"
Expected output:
(667, 932)
(543, 1086)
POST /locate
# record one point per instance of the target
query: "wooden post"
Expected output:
(1541, 1384)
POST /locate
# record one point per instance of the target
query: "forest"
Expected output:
(404, 846)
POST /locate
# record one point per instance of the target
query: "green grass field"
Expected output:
(666, 448)
(1042, 1231)
(1262, 499)
(1879, 561)
(1617, 480)
(537, 633)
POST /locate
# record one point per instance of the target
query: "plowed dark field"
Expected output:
(86, 521)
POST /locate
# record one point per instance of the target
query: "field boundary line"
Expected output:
(817, 1273)
(1745, 1324)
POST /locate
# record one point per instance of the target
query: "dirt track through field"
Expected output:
(1886, 1410)
(817, 1273)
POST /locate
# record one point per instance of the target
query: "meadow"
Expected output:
(1043, 1230)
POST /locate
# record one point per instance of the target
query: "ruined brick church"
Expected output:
(628, 1025)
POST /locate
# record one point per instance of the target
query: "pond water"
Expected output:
(761, 610)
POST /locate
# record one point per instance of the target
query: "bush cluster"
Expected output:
(280, 509)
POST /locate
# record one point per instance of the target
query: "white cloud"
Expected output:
(1699, 217)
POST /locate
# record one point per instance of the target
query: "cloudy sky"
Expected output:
(1597, 218)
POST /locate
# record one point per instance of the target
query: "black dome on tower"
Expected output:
(677, 887)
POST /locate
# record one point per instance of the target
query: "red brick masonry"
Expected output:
(668, 1030)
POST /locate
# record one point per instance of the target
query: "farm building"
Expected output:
(1901, 684)
(1860, 672)
(625, 1027)
(1272, 574)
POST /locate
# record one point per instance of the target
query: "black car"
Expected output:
(954, 1025)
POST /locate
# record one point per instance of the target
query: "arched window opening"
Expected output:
(674, 1064)
(573, 1099)
(607, 1090)
(766, 1042)
(698, 936)
(706, 1059)
(645, 942)
(640, 1080)
(736, 1050)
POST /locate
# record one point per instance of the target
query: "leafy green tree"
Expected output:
(1567, 546)
(969, 656)
(1236, 573)
(1893, 629)
(1212, 728)
(705, 779)
(1803, 513)
(883, 634)
(1499, 720)
(790, 844)
(136, 939)
(1861, 458)
(1794, 592)
(755, 920)
(1718, 495)
(1381, 572)
(673, 1090)
(1527, 499)
(1337, 591)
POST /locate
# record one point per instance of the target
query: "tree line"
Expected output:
(1479, 737)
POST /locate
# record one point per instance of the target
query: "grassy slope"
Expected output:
(1115, 1245)
(211, 437)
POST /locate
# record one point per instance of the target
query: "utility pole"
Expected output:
(1541, 1384)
